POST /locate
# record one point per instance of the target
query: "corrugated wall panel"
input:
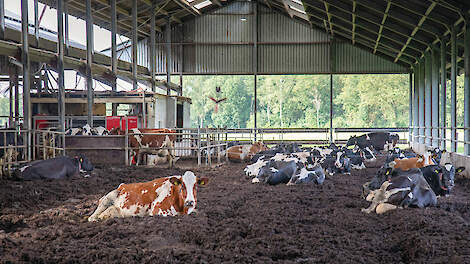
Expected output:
(293, 58)
(350, 59)
(311, 55)
(275, 27)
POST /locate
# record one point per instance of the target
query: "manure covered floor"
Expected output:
(236, 222)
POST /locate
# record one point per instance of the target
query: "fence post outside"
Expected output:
(126, 146)
(198, 147)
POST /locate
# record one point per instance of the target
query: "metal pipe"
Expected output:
(2, 19)
(36, 22)
(89, 61)
(60, 65)
(17, 97)
(427, 98)
(443, 93)
(466, 102)
(421, 102)
(168, 54)
(254, 59)
(10, 97)
(152, 45)
(134, 44)
(417, 71)
(453, 89)
(410, 110)
(67, 32)
(26, 75)
(114, 52)
(435, 98)
(331, 108)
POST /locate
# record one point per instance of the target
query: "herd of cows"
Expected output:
(404, 180)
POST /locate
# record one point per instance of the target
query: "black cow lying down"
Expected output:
(56, 168)
(407, 189)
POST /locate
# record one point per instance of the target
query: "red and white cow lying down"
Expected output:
(245, 152)
(168, 196)
(157, 148)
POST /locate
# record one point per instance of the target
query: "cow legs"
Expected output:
(111, 212)
(384, 207)
(104, 204)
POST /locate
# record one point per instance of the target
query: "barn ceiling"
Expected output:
(400, 30)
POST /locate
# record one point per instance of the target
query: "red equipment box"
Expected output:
(132, 121)
(112, 122)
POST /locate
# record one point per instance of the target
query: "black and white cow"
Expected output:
(337, 163)
(294, 168)
(86, 130)
(441, 178)
(406, 189)
(56, 168)
(378, 140)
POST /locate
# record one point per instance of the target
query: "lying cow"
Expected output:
(87, 130)
(378, 140)
(441, 178)
(168, 196)
(56, 168)
(403, 190)
(244, 152)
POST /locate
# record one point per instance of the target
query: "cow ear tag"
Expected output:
(202, 182)
(460, 169)
(81, 159)
(436, 171)
(388, 172)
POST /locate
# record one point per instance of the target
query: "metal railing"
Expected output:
(13, 150)
(48, 143)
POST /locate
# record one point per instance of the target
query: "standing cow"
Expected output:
(245, 152)
(378, 140)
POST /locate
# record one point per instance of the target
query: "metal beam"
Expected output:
(410, 107)
(134, 44)
(89, 61)
(168, 54)
(26, 74)
(384, 18)
(60, 65)
(114, 61)
(435, 98)
(67, 31)
(191, 9)
(353, 20)
(36, 22)
(421, 101)
(417, 79)
(415, 30)
(329, 17)
(152, 48)
(466, 101)
(427, 98)
(443, 94)
(2, 19)
(453, 89)
(254, 60)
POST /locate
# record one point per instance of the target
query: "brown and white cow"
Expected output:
(141, 143)
(245, 152)
(412, 163)
(168, 196)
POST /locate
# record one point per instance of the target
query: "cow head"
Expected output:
(447, 176)
(116, 131)
(436, 155)
(384, 174)
(260, 146)
(87, 130)
(351, 141)
(185, 188)
(84, 163)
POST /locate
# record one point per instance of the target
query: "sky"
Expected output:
(77, 28)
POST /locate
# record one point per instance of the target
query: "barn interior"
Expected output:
(167, 40)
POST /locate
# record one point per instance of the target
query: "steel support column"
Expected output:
(421, 101)
(466, 101)
(67, 32)
(60, 65)
(427, 98)
(417, 71)
(36, 23)
(410, 110)
(331, 108)
(114, 61)
(168, 54)
(152, 45)
(89, 61)
(443, 94)
(134, 44)
(254, 60)
(453, 89)
(435, 98)
(26, 75)
(2, 19)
